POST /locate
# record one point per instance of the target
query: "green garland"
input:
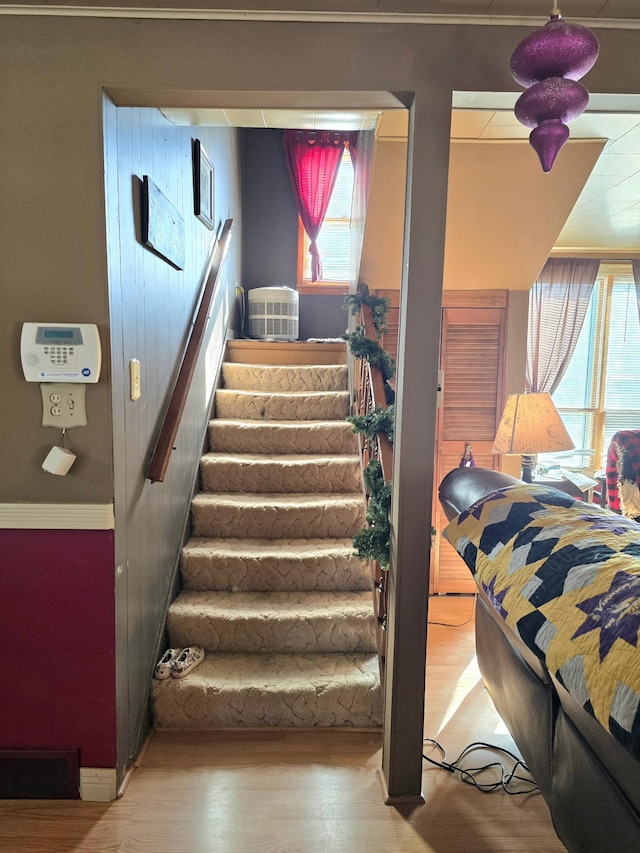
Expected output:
(373, 543)
(379, 307)
(363, 347)
(378, 420)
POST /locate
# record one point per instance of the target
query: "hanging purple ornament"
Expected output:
(558, 49)
(549, 61)
(555, 98)
(547, 139)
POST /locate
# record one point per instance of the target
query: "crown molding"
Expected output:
(303, 16)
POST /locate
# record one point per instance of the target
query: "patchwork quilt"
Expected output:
(565, 577)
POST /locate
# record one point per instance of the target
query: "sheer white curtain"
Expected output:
(558, 304)
(361, 145)
(635, 263)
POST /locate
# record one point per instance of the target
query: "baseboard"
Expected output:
(98, 784)
(36, 516)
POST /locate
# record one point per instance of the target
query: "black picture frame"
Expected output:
(203, 185)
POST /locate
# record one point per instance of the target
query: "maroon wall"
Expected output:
(57, 626)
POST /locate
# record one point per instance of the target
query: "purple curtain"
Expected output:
(635, 263)
(558, 304)
(313, 160)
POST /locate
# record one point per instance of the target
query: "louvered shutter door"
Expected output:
(472, 354)
(389, 340)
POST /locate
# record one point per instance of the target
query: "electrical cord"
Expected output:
(468, 774)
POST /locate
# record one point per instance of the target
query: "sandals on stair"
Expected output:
(176, 663)
(165, 664)
(187, 660)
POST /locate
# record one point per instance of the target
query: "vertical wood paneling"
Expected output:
(152, 306)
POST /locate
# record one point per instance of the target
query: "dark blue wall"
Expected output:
(270, 232)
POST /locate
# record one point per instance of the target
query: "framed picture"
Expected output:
(162, 225)
(203, 185)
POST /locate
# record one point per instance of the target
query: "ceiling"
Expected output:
(606, 216)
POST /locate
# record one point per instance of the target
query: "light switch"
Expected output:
(63, 405)
(134, 373)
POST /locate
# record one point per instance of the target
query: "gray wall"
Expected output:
(270, 229)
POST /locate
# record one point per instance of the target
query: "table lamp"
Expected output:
(530, 424)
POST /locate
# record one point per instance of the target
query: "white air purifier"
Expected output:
(273, 313)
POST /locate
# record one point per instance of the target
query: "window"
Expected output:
(598, 395)
(334, 240)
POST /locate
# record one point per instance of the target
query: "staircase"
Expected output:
(270, 586)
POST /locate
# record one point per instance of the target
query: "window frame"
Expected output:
(605, 281)
(324, 285)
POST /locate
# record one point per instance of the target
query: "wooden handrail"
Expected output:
(169, 429)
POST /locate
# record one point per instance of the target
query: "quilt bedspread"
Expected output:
(565, 577)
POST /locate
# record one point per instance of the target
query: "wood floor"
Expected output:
(304, 792)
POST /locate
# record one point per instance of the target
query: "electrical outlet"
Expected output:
(63, 405)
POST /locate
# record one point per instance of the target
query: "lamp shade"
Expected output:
(531, 424)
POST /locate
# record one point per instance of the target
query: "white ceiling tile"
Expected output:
(623, 191)
(628, 143)
(602, 125)
(505, 118)
(617, 164)
(299, 119)
(601, 206)
(628, 217)
(469, 124)
(245, 118)
(518, 131)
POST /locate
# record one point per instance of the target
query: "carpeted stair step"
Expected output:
(279, 690)
(271, 565)
(238, 436)
(285, 377)
(301, 405)
(265, 622)
(271, 515)
(250, 472)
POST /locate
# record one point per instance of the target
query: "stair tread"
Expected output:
(264, 622)
(272, 564)
(280, 691)
(297, 395)
(284, 377)
(276, 424)
(255, 548)
(275, 671)
(282, 458)
(260, 605)
(278, 499)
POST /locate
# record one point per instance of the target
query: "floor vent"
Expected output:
(39, 774)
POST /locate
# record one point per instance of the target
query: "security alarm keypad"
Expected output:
(62, 352)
